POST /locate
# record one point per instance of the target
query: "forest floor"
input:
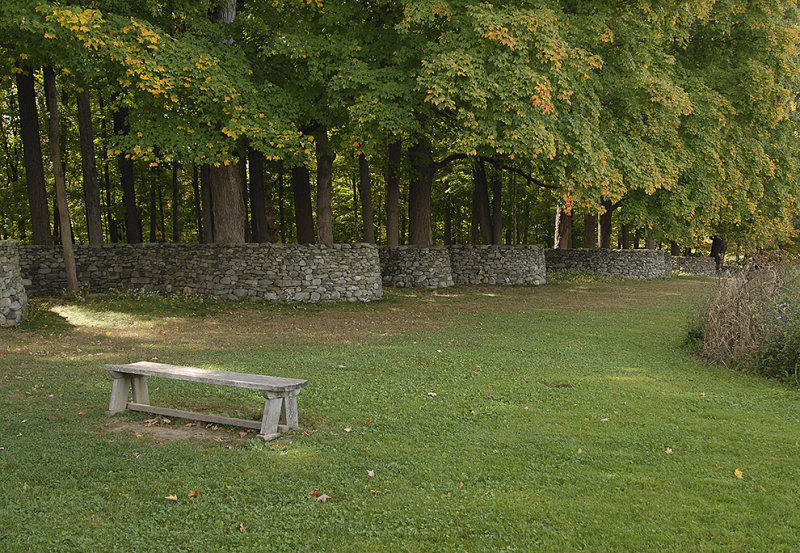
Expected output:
(569, 416)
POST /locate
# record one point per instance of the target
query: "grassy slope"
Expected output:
(512, 454)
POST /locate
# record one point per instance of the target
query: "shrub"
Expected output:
(752, 320)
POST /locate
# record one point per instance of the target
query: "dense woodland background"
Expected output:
(618, 124)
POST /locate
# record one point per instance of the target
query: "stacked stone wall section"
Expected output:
(416, 266)
(498, 265)
(13, 297)
(292, 273)
(694, 265)
(634, 264)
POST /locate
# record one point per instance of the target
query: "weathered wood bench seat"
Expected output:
(280, 394)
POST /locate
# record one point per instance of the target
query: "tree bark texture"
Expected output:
(480, 204)
(198, 211)
(303, 216)
(257, 204)
(365, 191)
(58, 173)
(208, 203)
(563, 231)
(227, 203)
(393, 193)
(419, 199)
(324, 188)
(604, 224)
(176, 228)
(589, 230)
(718, 247)
(32, 154)
(497, 206)
(133, 225)
(91, 189)
(626, 237)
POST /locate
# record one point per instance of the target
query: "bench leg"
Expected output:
(119, 393)
(290, 417)
(139, 387)
(271, 417)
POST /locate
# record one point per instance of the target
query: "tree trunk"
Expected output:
(365, 191)
(419, 198)
(649, 239)
(393, 193)
(176, 224)
(281, 214)
(674, 248)
(58, 174)
(208, 203)
(198, 211)
(324, 188)
(626, 237)
(257, 204)
(304, 218)
(589, 230)
(514, 226)
(91, 190)
(241, 167)
(480, 202)
(497, 206)
(604, 224)
(153, 205)
(32, 154)
(448, 219)
(227, 203)
(113, 234)
(718, 248)
(563, 233)
(133, 225)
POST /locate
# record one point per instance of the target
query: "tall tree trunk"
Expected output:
(480, 201)
(208, 203)
(474, 220)
(324, 187)
(674, 248)
(242, 168)
(365, 191)
(58, 173)
(133, 225)
(626, 236)
(356, 234)
(649, 239)
(394, 159)
(281, 212)
(257, 204)
(153, 205)
(497, 206)
(514, 225)
(91, 190)
(227, 203)
(448, 219)
(198, 211)
(111, 221)
(718, 247)
(32, 154)
(419, 198)
(176, 224)
(563, 232)
(304, 218)
(589, 228)
(604, 224)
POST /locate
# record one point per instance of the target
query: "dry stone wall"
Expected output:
(694, 265)
(13, 298)
(292, 273)
(416, 266)
(637, 264)
(498, 265)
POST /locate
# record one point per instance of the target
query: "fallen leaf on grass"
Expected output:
(604, 420)
(136, 454)
(668, 451)
(348, 429)
(242, 527)
(193, 494)
(323, 498)
(432, 394)
(314, 493)
(172, 498)
(738, 474)
(375, 491)
(371, 473)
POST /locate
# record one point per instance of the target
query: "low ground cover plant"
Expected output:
(751, 320)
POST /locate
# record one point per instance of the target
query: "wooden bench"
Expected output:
(280, 394)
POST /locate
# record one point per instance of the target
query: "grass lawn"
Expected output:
(565, 417)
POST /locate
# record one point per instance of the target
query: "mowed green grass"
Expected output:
(567, 417)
